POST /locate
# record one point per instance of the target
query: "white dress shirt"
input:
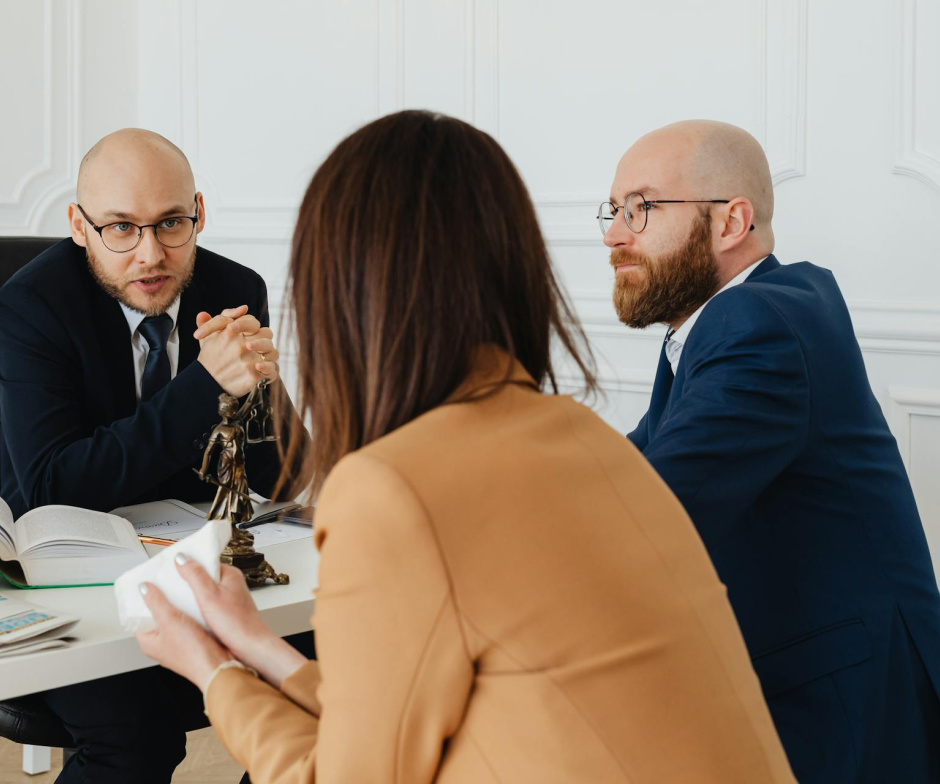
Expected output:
(677, 340)
(142, 349)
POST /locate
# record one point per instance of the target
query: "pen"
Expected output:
(267, 517)
(155, 540)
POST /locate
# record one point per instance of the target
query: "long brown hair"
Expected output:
(416, 243)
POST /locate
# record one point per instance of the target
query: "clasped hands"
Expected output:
(237, 629)
(236, 350)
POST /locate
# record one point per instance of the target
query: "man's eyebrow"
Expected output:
(117, 214)
(177, 210)
(647, 191)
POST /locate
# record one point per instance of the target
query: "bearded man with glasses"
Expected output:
(115, 345)
(763, 423)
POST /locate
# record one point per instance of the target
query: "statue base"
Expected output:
(240, 552)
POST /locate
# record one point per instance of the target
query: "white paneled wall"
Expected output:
(844, 95)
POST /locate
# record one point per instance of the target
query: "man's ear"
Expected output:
(77, 226)
(738, 223)
(201, 223)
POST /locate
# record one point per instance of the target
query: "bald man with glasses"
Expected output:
(763, 423)
(115, 345)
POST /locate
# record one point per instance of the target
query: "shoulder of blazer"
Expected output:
(802, 276)
(791, 291)
(55, 286)
(55, 271)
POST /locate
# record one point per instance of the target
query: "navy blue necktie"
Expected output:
(156, 331)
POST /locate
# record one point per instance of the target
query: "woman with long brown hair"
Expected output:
(507, 591)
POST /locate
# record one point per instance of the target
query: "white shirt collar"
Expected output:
(678, 338)
(135, 317)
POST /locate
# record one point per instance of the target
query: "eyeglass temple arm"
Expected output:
(691, 201)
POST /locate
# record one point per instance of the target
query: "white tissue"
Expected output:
(204, 547)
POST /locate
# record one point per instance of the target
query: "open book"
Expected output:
(53, 546)
(25, 628)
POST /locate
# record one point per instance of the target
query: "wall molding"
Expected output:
(239, 221)
(904, 404)
(45, 165)
(909, 159)
(783, 95)
(789, 100)
(227, 217)
(274, 222)
(620, 381)
(897, 328)
(53, 177)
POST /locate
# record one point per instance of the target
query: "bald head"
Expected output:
(725, 160)
(128, 159)
(705, 159)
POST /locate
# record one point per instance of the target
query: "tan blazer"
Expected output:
(509, 593)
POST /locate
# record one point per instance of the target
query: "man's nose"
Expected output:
(149, 249)
(618, 235)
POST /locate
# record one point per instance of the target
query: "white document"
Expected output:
(204, 547)
(172, 520)
(267, 534)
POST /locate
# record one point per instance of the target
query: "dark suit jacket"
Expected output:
(771, 438)
(71, 431)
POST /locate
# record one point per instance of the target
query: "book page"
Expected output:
(67, 526)
(7, 542)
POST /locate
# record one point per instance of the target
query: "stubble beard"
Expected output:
(671, 287)
(157, 303)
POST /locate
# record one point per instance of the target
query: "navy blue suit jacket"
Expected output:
(771, 438)
(71, 431)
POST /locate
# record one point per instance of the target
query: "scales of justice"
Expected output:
(249, 423)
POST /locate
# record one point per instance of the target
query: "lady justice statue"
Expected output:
(232, 502)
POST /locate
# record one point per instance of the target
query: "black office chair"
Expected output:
(27, 720)
(16, 252)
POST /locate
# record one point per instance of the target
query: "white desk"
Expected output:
(103, 648)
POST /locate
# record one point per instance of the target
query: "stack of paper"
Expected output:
(25, 628)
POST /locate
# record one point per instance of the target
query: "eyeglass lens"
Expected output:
(171, 232)
(634, 210)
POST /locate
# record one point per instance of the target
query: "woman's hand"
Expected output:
(233, 618)
(179, 643)
(227, 607)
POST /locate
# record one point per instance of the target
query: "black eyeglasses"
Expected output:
(636, 210)
(124, 236)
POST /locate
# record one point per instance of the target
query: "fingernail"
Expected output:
(143, 588)
(181, 558)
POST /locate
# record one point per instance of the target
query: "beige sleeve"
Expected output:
(273, 737)
(394, 675)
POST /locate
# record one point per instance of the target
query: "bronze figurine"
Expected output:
(232, 501)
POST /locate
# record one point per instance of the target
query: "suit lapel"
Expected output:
(186, 325)
(662, 386)
(665, 383)
(117, 356)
